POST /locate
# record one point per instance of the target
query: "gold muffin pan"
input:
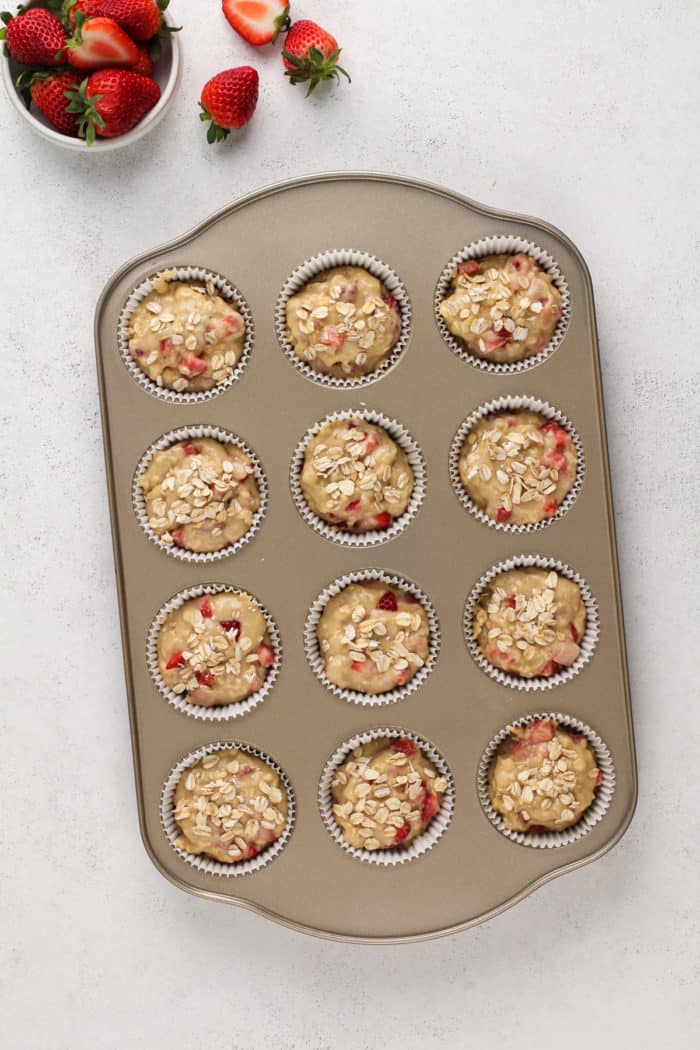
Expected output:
(473, 871)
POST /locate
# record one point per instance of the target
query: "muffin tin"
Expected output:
(473, 871)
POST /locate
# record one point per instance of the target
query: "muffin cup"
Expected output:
(187, 274)
(222, 712)
(139, 500)
(422, 843)
(200, 861)
(317, 265)
(312, 648)
(593, 815)
(587, 643)
(507, 244)
(514, 404)
(398, 433)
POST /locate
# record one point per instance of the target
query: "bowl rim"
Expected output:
(77, 145)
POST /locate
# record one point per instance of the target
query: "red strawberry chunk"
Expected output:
(503, 515)
(176, 660)
(561, 438)
(600, 778)
(522, 263)
(251, 852)
(266, 655)
(469, 267)
(391, 303)
(403, 744)
(540, 732)
(388, 602)
(381, 521)
(363, 666)
(510, 601)
(178, 536)
(193, 365)
(232, 626)
(550, 507)
(550, 668)
(165, 347)
(204, 677)
(574, 632)
(330, 336)
(189, 448)
(371, 442)
(402, 833)
(246, 771)
(354, 504)
(554, 459)
(430, 807)
(205, 609)
(401, 677)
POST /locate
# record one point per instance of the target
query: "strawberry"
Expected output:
(110, 103)
(257, 21)
(48, 93)
(503, 515)
(192, 365)
(206, 609)
(144, 66)
(493, 340)
(431, 806)
(540, 732)
(401, 678)
(232, 627)
(229, 100)
(561, 438)
(311, 55)
(266, 655)
(204, 677)
(550, 507)
(388, 602)
(380, 521)
(469, 267)
(404, 745)
(178, 536)
(251, 851)
(389, 301)
(100, 42)
(550, 668)
(141, 19)
(364, 666)
(330, 336)
(34, 37)
(176, 660)
(574, 632)
(401, 834)
(189, 448)
(510, 601)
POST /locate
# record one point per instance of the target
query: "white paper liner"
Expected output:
(221, 712)
(200, 861)
(188, 274)
(593, 815)
(504, 244)
(399, 854)
(311, 268)
(398, 433)
(184, 434)
(312, 648)
(587, 643)
(515, 404)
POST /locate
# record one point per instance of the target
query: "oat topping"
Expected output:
(185, 336)
(200, 494)
(529, 622)
(230, 806)
(543, 777)
(356, 476)
(504, 307)
(386, 793)
(518, 466)
(343, 323)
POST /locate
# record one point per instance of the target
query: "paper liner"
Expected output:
(514, 404)
(505, 244)
(587, 643)
(200, 861)
(422, 843)
(312, 648)
(221, 712)
(311, 268)
(183, 434)
(593, 815)
(226, 290)
(403, 439)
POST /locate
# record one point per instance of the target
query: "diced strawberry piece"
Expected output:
(550, 507)
(501, 659)
(371, 442)
(232, 627)
(330, 336)
(266, 655)
(469, 267)
(403, 744)
(193, 365)
(205, 608)
(204, 677)
(554, 459)
(503, 515)
(494, 340)
(391, 303)
(522, 263)
(510, 601)
(574, 632)
(600, 778)
(354, 504)
(402, 833)
(401, 677)
(363, 666)
(520, 749)
(176, 660)
(540, 732)
(246, 771)
(381, 521)
(189, 448)
(178, 536)
(165, 346)
(430, 807)
(565, 653)
(561, 438)
(251, 852)
(550, 668)
(388, 602)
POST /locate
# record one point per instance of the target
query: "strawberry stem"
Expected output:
(282, 23)
(86, 109)
(314, 67)
(215, 133)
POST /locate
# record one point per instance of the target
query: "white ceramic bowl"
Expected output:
(167, 73)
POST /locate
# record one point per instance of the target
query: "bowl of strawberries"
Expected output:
(91, 74)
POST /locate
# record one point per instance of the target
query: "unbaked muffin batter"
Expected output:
(529, 622)
(386, 794)
(185, 336)
(355, 476)
(518, 466)
(230, 806)
(503, 307)
(344, 323)
(543, 777)
(373, 637)
(200, 494)
(215, 649)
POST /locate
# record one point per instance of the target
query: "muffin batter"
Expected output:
(504, 308)
(216, 649)
(386, 794)
(184, 336)
(200, 494)
(344, 323)
(355, 476)
(373, 637)
(518, 466)
(529, 622)
(230, 806)
(543, 778)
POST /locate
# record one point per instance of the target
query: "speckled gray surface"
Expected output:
(584, 114)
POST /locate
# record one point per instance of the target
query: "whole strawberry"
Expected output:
(229, 100)
(311, 55)
(111, 102)
(257, 21)
(140, 18)
(34, 38)
(48, 94)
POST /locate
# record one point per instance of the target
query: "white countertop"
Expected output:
(584, 114)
